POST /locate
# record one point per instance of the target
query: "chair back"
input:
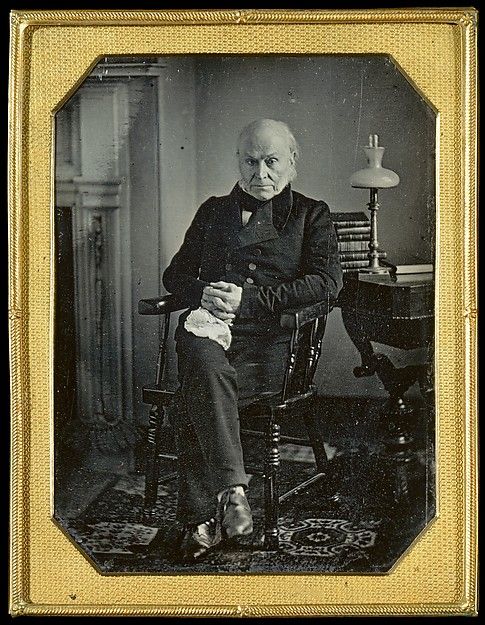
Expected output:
(308, 329)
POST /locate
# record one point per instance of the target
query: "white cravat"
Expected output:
(245, 216)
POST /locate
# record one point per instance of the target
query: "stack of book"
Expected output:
(353, 234)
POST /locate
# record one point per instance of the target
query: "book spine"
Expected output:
(344, 231)
(405, 269)
(354, 237)
(414, 277)
(351, 224)
(353, 246)
(344, 256)
(354, 264)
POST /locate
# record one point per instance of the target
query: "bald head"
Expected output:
(267, 153)
(262, 129)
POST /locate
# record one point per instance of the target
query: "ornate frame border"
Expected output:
(441, 578)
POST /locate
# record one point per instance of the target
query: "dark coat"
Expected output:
(286, 256)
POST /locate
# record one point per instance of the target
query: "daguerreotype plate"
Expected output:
(122, 123)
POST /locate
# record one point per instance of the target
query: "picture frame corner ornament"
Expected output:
(469, 18)
(18, 607)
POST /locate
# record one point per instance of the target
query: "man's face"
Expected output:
(265, 163)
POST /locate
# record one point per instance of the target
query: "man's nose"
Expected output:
(261, 170)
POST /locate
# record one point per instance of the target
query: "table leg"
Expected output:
(397, 413)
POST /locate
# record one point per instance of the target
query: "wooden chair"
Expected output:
(295, 399)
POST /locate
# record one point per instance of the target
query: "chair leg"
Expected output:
(271, 494)
(155, 423)
(317, 442)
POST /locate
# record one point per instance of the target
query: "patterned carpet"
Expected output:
(348, 523)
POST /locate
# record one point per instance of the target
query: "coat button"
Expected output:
(257, 251)
(252, 266)
(249, 280)
(228, 267)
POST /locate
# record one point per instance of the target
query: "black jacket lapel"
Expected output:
(259, 228)
(267, 221)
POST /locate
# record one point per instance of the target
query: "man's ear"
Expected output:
(293, 158)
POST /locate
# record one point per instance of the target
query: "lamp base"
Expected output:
(374, 270)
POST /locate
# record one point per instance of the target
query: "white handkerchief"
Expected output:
(202, 322)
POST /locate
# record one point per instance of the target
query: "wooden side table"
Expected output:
(400, 314)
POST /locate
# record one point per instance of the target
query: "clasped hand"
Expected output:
(222, 299)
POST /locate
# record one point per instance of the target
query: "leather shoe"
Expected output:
(198, 539)
(235, 513)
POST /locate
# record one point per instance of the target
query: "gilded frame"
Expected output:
(437, 576)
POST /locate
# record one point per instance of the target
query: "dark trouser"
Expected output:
(214, 384)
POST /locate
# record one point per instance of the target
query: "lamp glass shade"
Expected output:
(374, 176)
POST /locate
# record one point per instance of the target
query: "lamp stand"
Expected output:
(373, 255)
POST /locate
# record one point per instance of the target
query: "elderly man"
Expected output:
(245, 258)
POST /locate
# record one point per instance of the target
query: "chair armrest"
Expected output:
(292, 318)
(161, 305)
(297, 317)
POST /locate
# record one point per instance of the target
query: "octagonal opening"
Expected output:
(140, 145)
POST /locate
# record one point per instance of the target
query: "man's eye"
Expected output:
(250, 161)
(271, 161)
